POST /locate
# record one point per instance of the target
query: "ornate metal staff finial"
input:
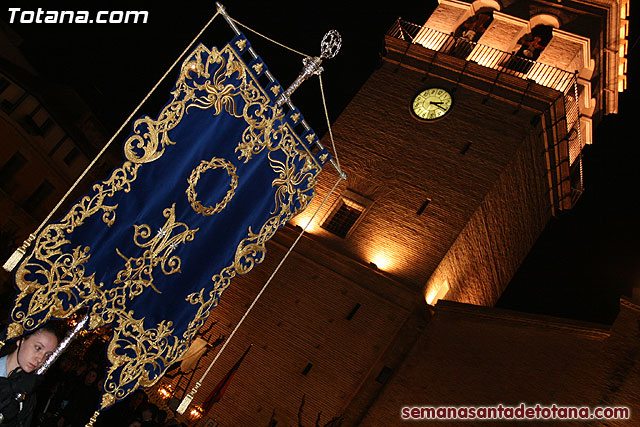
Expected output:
(330, 44)
(329, 47)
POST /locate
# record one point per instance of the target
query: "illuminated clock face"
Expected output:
(431, 104)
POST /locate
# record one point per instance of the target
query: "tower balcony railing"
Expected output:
(507, 62)
(519, 66)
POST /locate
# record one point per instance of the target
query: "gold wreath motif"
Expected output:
(214, 163)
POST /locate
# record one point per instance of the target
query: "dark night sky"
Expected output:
(579, 268)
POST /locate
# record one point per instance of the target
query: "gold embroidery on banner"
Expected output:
(219, 94)
(138, 356)
(257, 68)
(137, 274)
(69, 289)
(241, 44)
(52, 279)
(311, 137)
(214, 163)
(15, 330)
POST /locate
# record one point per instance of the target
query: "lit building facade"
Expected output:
(458, 149)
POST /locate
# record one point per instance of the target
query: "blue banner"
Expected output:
(150, 250)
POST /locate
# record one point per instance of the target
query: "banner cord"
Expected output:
(189, 397)
(268, 38)
(326, 115)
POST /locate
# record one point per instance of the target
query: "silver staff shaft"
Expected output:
(63, 345)
(329, 47)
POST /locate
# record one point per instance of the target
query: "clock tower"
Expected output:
(468, 139)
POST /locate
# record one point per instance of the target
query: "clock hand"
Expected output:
(437, 104)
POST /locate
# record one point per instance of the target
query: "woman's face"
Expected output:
(35, 349)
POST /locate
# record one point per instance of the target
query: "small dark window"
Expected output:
(34, 201)
(11, 168)
(4, 84)
(9, 107)
(57, 146)
(343, 219)
(46, 126)
(71, 156)
(29, 125)
(353, 312)
(384, 375)
(307, 368)
(345, 214)
(423, 207)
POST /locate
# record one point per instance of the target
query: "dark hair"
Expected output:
(54, 326)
